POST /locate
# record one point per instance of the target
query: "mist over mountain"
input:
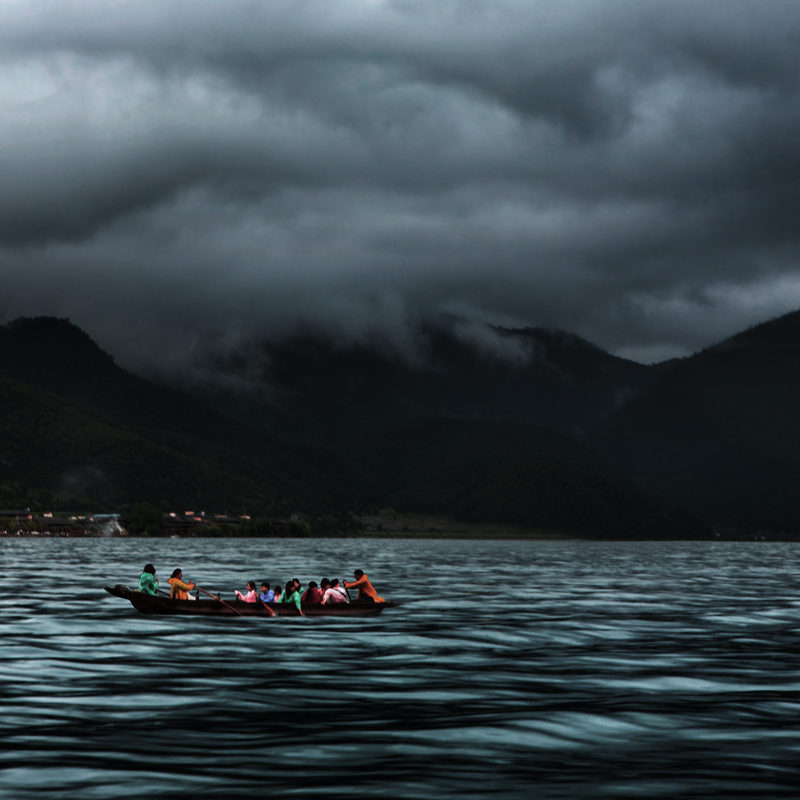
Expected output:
(178, 175)
(311, 387)
(76, 428)
(717, 432)
(322, 423)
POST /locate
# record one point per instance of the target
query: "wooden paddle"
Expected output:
(220, 600)
(272, 613)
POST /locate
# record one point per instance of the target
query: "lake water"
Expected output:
(514, 670)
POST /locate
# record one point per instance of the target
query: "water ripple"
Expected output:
(515, 669)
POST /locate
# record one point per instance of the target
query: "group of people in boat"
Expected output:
(327, 591)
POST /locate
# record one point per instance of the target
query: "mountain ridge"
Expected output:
(316, 389)
(718, 431)
(111, 429)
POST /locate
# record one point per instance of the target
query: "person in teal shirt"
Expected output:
(292, 595)
(147, 580)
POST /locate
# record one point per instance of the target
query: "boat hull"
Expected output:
(150, 604)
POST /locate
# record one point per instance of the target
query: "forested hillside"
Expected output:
(103, 437)
(719, 432)
(53, 452)
(483, 471)
(308, 387)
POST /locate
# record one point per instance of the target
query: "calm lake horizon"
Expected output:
(515, 668)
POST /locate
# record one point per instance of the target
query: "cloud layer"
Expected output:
(178, 173)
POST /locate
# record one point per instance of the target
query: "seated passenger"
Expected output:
(147, 580)
(278, 594)
(334, 593)
(312, 594)
(366, 592)
(291, 595)
(251, 596)
(323, 585)
(179, 590)
(267, 595)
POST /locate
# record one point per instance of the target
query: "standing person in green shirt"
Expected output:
(292, 595)
(147, 580)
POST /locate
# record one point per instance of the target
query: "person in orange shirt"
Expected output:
(179, 590)
(366, 592)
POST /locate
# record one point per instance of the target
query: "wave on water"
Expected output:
(514, 669)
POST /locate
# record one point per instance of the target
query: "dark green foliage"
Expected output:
(342, 524)
(719, 432)
(125, 439)
(535, 375)
(511, 473)
(248, 529)
(50, 444)
(144, 519)
(110, 440)
(299, 528)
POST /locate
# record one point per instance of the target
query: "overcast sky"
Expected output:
(174, 174)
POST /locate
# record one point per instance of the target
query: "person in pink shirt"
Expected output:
(251, 596)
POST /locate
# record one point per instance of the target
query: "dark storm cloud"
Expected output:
(179, 174)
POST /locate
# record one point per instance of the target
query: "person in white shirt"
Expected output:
(334, 593)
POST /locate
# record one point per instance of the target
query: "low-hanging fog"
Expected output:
(180, 177)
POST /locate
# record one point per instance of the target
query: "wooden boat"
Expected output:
(150, 604)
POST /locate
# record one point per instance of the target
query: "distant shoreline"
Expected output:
(485, 535)
(452, 535)
(390, 524)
